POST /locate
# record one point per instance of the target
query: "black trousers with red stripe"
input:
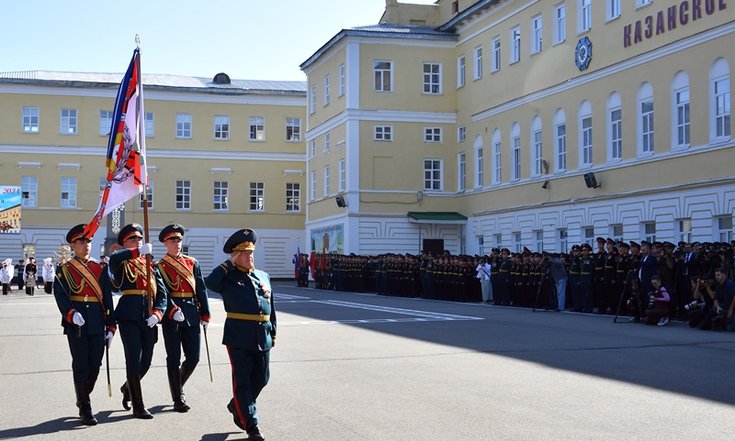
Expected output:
(250, 374)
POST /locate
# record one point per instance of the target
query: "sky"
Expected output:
(247, 39)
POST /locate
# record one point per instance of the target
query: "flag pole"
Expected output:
(141, 139)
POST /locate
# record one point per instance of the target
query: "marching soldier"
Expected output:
(250, 327)
(188, 305)
(82, 292)
(574, 278)
(586, 269)
(611, 286)
(504, 279)
(598, 276)
(136, 313)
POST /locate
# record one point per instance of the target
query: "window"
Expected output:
(148, 194)
(312, 148)
(685, 230)
(614, 128)
(724, 229)
(645, 106)
(383, 73)
(150, 125)
(257, 128)
(495, 65)
(432, 78)
(220, 195)
(312, 99)
(539, 236)
(68, 123)
(68, 192)
(30, 119)
(432, 134)
(515, 151)
(313, 185)
(560, 140)
(560, 23)
(221, 127)
(613, 9)
(497, 157)
(326, 143)
(563, 240)
(341, 80)
(105, 122)
(461, 71)
(455, 6)
(584, 15)
(183, 194)
(327, 91)
(536, 34)
(342, 178)
(293, 129)
(498, 239)
(537, 154)
(481, 245)
(257, 196)
(616, 232)
(293, 197)
(29, 191)
(722, 108)
(183, 125)
(479, 163)
(383, 133)
(681, 117)
(649, 231)
(461, 172)
(515, 44)
(478, 63)
(640, 3)
(327, 182)
(518, 243)
(461, 133)
(432, 175)
(719, 101)
(588, 234)
(585, 134)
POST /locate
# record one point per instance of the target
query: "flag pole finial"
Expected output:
(137, 41)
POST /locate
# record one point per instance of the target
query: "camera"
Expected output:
(691, 305)
(651, 301)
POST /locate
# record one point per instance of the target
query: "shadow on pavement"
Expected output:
(46, 427)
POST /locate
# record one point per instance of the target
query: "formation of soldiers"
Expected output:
(612, 278)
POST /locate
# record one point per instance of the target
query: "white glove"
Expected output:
(146, 248)
(77, 319)
(151, 321)
(179, 316)
(205, 324)
(108, 338)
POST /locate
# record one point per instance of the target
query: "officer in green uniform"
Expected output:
(250, 327)
(574, 273)
(137, 314)
(188, 306)
(82, 293)
(586, 267)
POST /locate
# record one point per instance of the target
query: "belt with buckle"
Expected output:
(84, 299)
(134, 292)
(260, 318)
(182, 295)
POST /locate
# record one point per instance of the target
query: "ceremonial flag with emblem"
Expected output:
(127, 175)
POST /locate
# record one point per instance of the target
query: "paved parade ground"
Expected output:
(351, 366)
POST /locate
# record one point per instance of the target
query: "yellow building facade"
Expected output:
(466, 125)
(222, 155)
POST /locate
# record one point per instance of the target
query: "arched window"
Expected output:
(719, 92)
(680, 117)
(585, 135)
(479, 163)
(645, 119)
(614, 128)
(497, 157)
(515, 151)
(560, 141)
(536, 144)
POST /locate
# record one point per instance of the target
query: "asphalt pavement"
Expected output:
(354, 367)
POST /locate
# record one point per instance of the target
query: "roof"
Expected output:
(384, 30)
(155, 81)
(436, 217)
(451, 25)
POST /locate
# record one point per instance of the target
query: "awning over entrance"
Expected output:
(436, 217)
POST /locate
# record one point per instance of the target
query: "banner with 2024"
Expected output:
(10, 202)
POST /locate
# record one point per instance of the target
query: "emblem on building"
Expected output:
(583, 53)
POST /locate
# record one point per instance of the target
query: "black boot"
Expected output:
(85, 408)
(174, 383)
(255, 434)
(126, 396)
(136, 396)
